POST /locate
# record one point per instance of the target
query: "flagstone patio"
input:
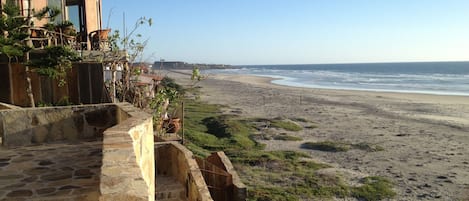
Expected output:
(59, 171)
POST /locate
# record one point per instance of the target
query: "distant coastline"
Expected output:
(180, 65)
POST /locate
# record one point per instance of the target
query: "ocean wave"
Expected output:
(399, 81)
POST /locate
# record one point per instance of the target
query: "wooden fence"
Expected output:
(85, 85)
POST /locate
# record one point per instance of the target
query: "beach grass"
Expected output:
(374, 188)
(285, 137)
(269, 175)
(367, 147)
(330, 146)
(286, 125)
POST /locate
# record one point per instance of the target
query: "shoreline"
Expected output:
(424, 97)
(424, 136)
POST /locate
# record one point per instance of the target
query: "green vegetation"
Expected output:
(341, 146)
(285, 137)
(208, 129)
(270, 175)
(287, 125)
(327, 146)
(367, 147)
(374, 188)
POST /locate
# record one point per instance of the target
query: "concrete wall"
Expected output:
(21, 127)
(175, 160)
(128, 171)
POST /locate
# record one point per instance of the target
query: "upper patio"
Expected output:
(80, 24)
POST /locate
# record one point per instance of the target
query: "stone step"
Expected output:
(169, 189)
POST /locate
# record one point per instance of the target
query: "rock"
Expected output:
(56, 176)
(29, 179)
(69, 130)
(45, 163)
(45, 191)
(36, 171)
(4, 160)
(40, 134)
(7, 177)
(83, 173)
(68, 187)
(20, 193)
(56, 132)
(442, 177)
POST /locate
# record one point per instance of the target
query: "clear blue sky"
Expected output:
(299, 31)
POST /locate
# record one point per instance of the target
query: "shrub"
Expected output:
(374, 188)
(287, 125)
(287, 138)
(327, 146)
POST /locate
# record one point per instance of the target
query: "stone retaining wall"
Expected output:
(21, 127)
(173, 159)
(222, 161)
(128, 162)
(128, 170)
(4, 106)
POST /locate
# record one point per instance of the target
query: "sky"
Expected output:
(251, 32)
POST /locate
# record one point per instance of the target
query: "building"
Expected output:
(86, 15)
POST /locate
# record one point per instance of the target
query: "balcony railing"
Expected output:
(97, 40)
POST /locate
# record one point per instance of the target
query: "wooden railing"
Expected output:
(41, 38)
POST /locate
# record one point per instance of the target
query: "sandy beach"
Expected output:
(425, 137)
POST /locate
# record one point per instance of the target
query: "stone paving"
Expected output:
(59, 171)
(169, 189)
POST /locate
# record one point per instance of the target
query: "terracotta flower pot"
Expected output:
(174, 125)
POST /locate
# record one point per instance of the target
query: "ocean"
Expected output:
(443, 78)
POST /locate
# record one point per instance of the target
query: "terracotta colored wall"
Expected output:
(93, 15)
(38, 5)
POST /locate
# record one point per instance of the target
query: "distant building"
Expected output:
(169, 64)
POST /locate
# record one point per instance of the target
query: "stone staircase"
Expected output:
(169, 189)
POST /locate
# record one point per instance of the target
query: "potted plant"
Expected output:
(66, 27)
(174, 125)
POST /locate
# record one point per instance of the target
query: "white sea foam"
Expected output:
(404, 80)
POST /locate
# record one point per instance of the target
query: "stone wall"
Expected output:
(128, 162)
(222, 161)
(128, 170)
(173, 159)
(4, 106)
(21, 127)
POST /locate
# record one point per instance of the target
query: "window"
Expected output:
(57, 4)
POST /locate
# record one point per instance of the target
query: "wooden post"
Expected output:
(113, 81)
(182, 105)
